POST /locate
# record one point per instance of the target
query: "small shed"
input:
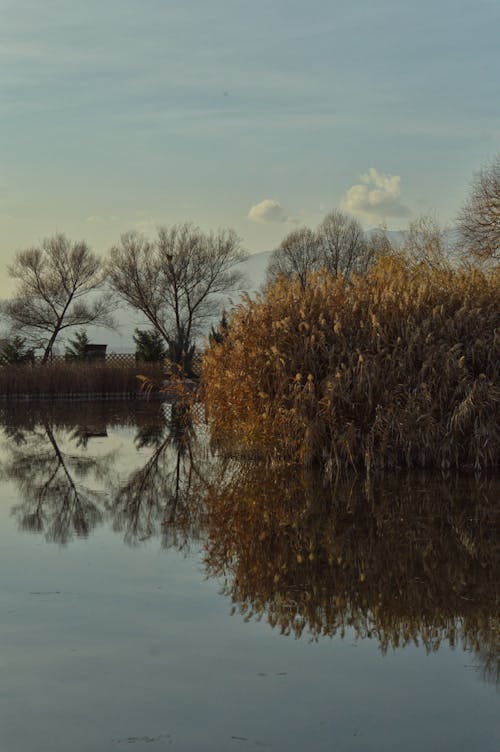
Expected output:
(95, 352)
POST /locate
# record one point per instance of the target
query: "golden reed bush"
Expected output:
(397, 368)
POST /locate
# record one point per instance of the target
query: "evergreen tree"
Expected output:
(15, 352)
(77, 347)
(149, 346)
(219, 333)
(181, 353)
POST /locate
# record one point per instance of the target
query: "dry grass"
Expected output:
(398, 368)
(73, 380)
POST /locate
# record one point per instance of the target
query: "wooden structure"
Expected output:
(95, 352)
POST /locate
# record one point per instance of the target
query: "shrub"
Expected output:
(398, 367)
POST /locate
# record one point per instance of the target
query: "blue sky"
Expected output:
(256, 115)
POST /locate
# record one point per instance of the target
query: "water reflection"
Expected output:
(69, 485)
(59, 489)
(157, 499)
(408, 560)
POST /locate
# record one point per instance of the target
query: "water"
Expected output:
(154, 598)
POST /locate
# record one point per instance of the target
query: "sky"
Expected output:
(259, 115)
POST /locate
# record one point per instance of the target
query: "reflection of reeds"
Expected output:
(81, 415)
(73, 380)
(397, 368)
(407, 560)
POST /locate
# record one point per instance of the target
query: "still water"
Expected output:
(153, 596)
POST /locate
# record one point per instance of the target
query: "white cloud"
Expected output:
(94, 218)
(377, 195)
(268, 210)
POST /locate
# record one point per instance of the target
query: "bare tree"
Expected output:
(479, 219)
(53, 279)
(177, 281)
(425, 242)
(338, 246)
(380, 243)
(343, 244)
(297, 256)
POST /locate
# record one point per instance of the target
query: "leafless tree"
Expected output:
(343, 245)
(297, 256)
(177, 281)
(479, 219)
(380, 243)
(338, 246)
(425, 242)
(53, 280)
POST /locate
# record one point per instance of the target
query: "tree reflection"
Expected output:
(411, 560)
(67, 490)
(405, 561)
(57, 499)
(157, 499)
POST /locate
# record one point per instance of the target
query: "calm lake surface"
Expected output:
(156, 597)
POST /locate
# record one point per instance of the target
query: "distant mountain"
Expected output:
(254, 269)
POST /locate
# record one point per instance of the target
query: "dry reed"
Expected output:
(397, 368)
(73, 380)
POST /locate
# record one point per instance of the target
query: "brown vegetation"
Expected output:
(73, 379)
(399, 367)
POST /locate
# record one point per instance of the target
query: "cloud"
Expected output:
(94, 218)
(268, 210)
(377, 195)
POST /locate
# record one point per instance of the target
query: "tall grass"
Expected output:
(66, 379)
(397, 368)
